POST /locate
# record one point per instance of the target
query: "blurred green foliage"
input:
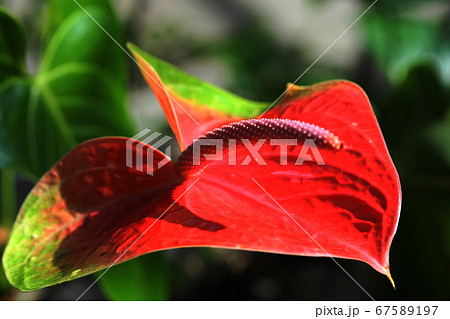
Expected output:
(78, 93)
(410, 54)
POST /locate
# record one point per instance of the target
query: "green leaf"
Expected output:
(79, 93)
(58, 11)
(143, 278)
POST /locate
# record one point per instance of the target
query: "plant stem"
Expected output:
(8, 204)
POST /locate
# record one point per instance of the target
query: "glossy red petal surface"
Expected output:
(350, 206)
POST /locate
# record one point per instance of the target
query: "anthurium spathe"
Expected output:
(92, 210)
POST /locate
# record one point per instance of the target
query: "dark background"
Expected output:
(399, 52)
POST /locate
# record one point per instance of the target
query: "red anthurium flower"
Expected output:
(91, 208)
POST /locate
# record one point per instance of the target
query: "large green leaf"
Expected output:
(77, 94)
(59, 10)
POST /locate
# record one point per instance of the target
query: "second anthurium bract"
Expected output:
(91, 208)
